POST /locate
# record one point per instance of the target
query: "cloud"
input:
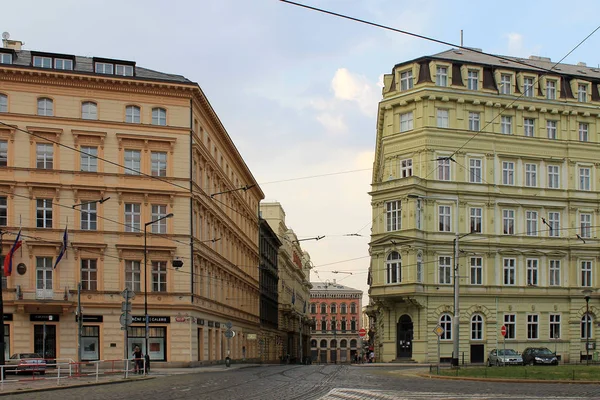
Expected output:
(353, 87)
(515, 43)
(333, 123)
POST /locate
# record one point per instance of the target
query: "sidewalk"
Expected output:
(26, 383)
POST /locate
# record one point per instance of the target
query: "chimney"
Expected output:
(539, 58)
(10, 44)
(582, 64)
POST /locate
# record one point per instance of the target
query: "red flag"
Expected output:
(9, 256)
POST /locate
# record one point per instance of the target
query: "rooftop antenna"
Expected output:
(5, 35)
(461, 38)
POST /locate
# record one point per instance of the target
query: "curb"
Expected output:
(79, 385)
(504, 380)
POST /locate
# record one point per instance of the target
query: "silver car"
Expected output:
(504, 357)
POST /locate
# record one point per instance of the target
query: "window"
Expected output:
(406, 168)
(3, 153)
(89, 274)
(42, 62)
(505, 84)
(554, 222)
(532, 271)
(419, 213)
(44, 155)
(551, 89)
(393, 267)
(582, 93)
(508, 222)
(159, 211)
(323, 329)
(531, 219)
(406, 122)
(323, 308)
(472, 80)
(159, 163)
(5, 58)
(159, 116)
(529, 127)
(132, 114)
(532, 326)
(343, 308)
(509, 270)
(444, 218)
(353, 309)
(89, 110)
(132, 275)
(44, 213)
(586, 326)
(475, 170)
(442, 118)
(104, 68)
(474, 121)
(45, 107)
(441, 76)
(585, 224)
(159, 276)
(586, 273)
(531, 175)
(553, 177)
(446, 323)
(476, 270)
(508, 173)
(583, 132)
(132, 217)
(419, 267)
(476, 219)
(313, 308)
(445, 270)
(443, 168)
(89, 159)
(124, 70)
(406, 80)
(89, 216)
(3, 214)
(528, 87)
(353, 324)
(506, 125)
(333, 308)
(3, 103)
(551, 128)
(554, 271)
(476, 327)
(510, 321)
(63, 63)
(554, 326)
(393, 215)
(133, 160)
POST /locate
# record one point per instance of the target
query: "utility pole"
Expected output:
(2, 356)
(79, 322)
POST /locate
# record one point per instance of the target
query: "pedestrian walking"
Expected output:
(138, 360)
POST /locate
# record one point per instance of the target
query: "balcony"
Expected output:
(48, 299)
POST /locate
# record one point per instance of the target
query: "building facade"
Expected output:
(111, 147)
(336, 312)
(500, 152)
(293, 267)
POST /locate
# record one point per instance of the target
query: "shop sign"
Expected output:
(90, 318)
(44, 317)
(251, 336)
(8, 317)
(152, 319)
(180, 319)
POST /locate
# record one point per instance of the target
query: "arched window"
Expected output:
(333, 308)
(343, 325)
(333, 344)
(353, 343)
(476, 327)
(45, 107)
(343, 343)
(313, 343)
(89, 110)
(352, 308)
(586, 326)
(419, 267)
(323, 344)
(333, 325)
(132, 114)
(343, 308)
(446, 323)
(159, 116)
(353, 325)
(323, 308)
(392, 268)
(324, 324)
(3, 103)
(313, 308)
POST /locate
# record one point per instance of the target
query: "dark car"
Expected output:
(539, 356)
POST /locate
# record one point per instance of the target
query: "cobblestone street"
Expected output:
(324, 382)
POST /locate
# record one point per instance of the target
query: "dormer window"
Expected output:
(551, 89)
(472, 80)
(5, 58)
(42, 62)
(505, 83)
(104, 68)
(58, 61)
(406, 80)
(124, 70)
(582, 93)
(63, 63)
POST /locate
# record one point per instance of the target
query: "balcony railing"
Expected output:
(43, 294)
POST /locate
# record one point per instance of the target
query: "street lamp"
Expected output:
(455, 319)
(146, 276)
(587, 293)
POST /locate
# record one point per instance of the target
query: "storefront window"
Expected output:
(157, 342)
(90, 343)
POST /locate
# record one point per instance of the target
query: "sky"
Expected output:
(297, 90)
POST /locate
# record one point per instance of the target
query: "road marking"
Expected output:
(366, 394)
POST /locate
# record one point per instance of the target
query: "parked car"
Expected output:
(26, 362)
(539, 355)
(504, 357)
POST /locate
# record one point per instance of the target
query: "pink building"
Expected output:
(336, 313)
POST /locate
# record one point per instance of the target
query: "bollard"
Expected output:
(58, 376)
(97, 365)
(227, 362)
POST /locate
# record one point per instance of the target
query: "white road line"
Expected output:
(366, 394)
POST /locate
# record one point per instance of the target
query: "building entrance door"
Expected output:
(477, 353)
(404, 337)
(44, 340)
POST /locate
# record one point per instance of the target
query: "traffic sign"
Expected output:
(125, 306)
(228, 324)
(128, 293)
(126, 319)
(362, 332)
(229, 333)
(503, 330)
(438, 330)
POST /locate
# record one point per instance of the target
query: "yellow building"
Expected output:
(503, 150)
(76, 130)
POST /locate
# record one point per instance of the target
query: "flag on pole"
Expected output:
(9, 256)
(63, 248)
